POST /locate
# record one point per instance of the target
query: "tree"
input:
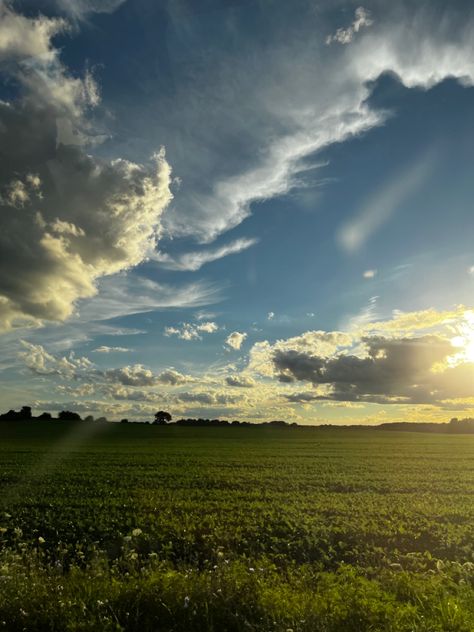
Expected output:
(67, 415)
(25, 412)
(124, 421)
(162, 418)
(45, 417)
(89, 418)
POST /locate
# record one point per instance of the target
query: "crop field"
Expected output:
(144, 528)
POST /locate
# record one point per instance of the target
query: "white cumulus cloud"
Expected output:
(235, 339)
(190, 331)
(81, 218)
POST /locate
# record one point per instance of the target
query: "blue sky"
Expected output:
(271, 200)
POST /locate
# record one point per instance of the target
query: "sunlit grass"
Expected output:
(145, 528)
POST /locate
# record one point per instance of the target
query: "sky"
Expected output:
(249, 210)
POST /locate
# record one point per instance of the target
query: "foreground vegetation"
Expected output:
(121, 527)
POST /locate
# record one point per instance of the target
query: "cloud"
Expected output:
(205, 315)
(321, 343)
(38, 360)
(235, 339)
(66, 218)
(70, 367)
(365, 316)
(194, 261)
(362, 19)
(370, 274)
(105, 349)
(80, 9)
(406, 323)
(205, 398)
(189, 331)
(411, 359)
(392, 371)
(22, 38)
(138, 375)
(240, 381)
(301, 398)
(274, 118)
(122, 393)
(128, 293)
(85, 390)
(173, 378)
(270, 315)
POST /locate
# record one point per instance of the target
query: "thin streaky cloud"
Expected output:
(193, 261)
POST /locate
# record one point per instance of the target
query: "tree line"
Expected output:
(163, 418)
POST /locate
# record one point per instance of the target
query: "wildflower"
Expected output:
(251, 570)
(136, 532)
(186, 601)
(41, 540)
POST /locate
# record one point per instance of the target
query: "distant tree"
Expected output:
(101, 420)
(68, 415)
(162, 418)
(89, 418)
(25, 412)
(11, 415)
(45, 417)
(124, 421)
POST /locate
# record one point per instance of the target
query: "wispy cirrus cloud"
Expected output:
(80, 9)
(125, 294)
(278, 118)
(106, 349)
(193, 261)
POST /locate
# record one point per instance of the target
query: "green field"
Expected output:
(135, 527)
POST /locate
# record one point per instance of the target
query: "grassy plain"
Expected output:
(143, 528)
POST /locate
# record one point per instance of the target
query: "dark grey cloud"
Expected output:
(301, 398)
(403, 370)
(138, 375)
(206, 398)
(240, 381)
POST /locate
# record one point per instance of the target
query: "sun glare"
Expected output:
(464, 341)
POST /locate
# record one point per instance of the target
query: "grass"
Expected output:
(121, 527)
